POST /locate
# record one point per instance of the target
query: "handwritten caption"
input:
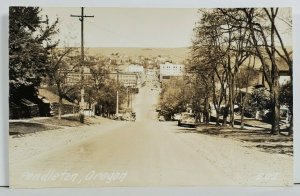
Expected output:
(67, 176)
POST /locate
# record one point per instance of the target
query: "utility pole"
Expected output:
(128, 98)
(131, 100)
(81, 19)
(117, 106)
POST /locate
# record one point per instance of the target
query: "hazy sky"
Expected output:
(126, 27)
(134, 27)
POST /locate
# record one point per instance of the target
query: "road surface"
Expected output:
(143, 153)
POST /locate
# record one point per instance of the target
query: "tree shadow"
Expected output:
(261, 139)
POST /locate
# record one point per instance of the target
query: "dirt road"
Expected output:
(142, 153)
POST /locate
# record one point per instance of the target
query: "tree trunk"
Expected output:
(59, 107)
(291, 131)
(225, 115)
(275, 108)
(206, 111)
(244, 100)
(232, 95)
(224, 123)
(242, 118)
(217, 118)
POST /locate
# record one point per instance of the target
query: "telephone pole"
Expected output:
(81, 19)
(117, 105)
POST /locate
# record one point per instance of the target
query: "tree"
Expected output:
(265, 34)
(244, 78)
(106, 97)
(210, 58)
(58, 70)
(29, 45)
(176, 94)
(226, 38)
(258, 101)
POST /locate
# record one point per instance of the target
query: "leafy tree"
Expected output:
(258, 101)
(106, 97)
(58, 70)
(174, 97)
(29, 45)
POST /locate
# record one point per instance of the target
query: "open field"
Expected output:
(175, 54)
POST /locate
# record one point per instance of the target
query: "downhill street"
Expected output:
(141, 153)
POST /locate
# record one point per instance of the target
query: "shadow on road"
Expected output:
(260, 139)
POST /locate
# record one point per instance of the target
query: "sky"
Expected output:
(133, 27)
(126, 27)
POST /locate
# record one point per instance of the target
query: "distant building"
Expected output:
(129, 72)
(168, 70)
(135, 68)
(128, 79)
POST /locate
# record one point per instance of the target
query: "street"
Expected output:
(146, 152)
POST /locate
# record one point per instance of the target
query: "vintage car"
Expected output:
(187, 119)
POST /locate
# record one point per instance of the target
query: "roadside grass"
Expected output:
(45, 124)
(20, 128)
(253, 138)
(66, 121)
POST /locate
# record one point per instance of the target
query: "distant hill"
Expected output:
(175, 54)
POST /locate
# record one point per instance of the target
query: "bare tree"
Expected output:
(264, 38)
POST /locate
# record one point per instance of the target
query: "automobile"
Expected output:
(118, 117)
(161, 118)
(126, 117)
(133, 116)
(177, 117)
(158, 109)
(187, 119)
(89, 112)
(284, 116)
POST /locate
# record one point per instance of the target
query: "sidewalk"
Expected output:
(40, 118)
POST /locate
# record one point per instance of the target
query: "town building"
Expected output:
(128, 79)
(128, 72)
(168, 70)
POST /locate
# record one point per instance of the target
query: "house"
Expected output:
(53, 99)
(23, 108)
(283, 70)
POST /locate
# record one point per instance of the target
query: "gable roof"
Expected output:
(52, 97)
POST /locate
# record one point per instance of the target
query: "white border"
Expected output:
(134, 3)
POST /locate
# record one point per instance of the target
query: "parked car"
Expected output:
(118, 117)
(161, 118)
(126, 117)
(177, 116)
(284, 116)
(187, 119)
